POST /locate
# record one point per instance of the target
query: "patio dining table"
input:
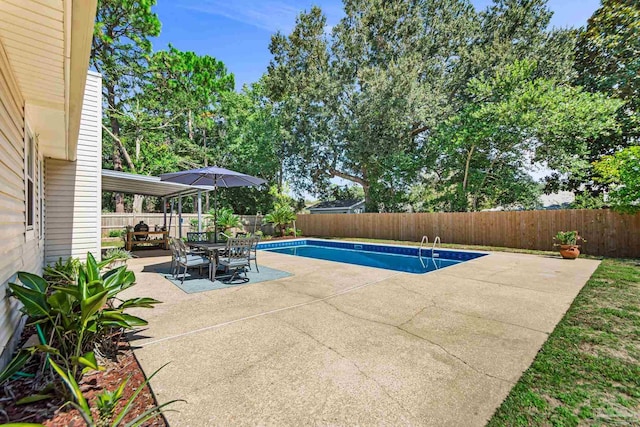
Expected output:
(212, 250)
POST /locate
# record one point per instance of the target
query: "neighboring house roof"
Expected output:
(559, 198)
(337, 204)
(47, 47)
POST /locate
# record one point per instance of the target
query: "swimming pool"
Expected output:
(397, 258)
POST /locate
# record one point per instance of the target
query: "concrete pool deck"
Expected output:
(342, 344)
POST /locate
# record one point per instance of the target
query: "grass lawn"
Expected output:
(112, 244)
(588, 371)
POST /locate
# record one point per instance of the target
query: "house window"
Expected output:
(29, 180)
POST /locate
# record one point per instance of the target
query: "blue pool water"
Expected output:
(396, 258)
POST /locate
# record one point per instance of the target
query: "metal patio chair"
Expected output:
(236, 258)
(188, 260)
(174, 256)
(253, 252)
(197, 236)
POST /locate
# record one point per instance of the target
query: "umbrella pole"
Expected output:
(215, 214)
(199, 211)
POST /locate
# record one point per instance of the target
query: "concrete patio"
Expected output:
(338, 344)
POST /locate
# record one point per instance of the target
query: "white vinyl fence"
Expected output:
(118, 221)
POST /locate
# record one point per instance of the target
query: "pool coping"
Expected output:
(405, 250)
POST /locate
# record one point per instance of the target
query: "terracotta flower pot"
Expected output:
(569, 251)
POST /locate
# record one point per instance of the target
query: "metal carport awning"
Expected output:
(129, 183)
(123, 182)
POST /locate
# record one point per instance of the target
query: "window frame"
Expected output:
(30, 198)
(40, 200)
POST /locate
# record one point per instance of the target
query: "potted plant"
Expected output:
(567, 241)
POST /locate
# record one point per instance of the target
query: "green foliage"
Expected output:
(116, 233)
(567, 238)
(120, 50)
(367, 102)
(280, 217)
(62, 272)
(622, 172)
(106, 403)
(172, 109)
(77, 315)
(225, 219)
(515, 119)
(608, 61)
(117, 254)
(290, 231)
(355, 104)
(347, 192)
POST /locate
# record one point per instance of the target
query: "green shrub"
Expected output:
(290, 232)
(225, 219)
(78, 312)
(62, 272)
(280, 217)
(117, 233)
(116, 254)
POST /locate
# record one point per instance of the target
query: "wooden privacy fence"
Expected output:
(607, 233)
(118, 221)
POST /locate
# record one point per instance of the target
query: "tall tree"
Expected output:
(513, 120)
(608, 61)
(513, 30)
(250, 142)
(166, 120)
(622, 172)
(184, 91)
(120, 48)
(359, 104)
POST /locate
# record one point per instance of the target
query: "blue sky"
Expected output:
(238, 32)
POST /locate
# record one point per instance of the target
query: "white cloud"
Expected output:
(270, 15)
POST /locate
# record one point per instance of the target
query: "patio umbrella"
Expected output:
(213, 176)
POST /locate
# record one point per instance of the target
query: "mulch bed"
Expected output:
(54, 412)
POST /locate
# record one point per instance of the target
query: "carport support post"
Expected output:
(164, 212)
(199, 211)
(180, 217)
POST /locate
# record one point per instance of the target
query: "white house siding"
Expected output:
(73, 189)
(20, 250)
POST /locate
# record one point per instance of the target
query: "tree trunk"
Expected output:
(137, 203)
(150, 202)
(367, 198)
(280, 176)
(464, 202)
(116, 157)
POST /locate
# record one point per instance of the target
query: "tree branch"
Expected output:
(334, 172)
(121, 147)
(419, 130)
